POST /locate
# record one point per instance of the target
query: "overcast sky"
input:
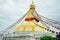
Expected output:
(12, 10)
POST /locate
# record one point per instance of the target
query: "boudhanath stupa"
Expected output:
(31, 26)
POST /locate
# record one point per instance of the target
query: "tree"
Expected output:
(46, 38)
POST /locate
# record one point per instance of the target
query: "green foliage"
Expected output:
(58, 36)
(46, 38)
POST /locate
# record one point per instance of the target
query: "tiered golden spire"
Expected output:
(30, 22)
(32, 6)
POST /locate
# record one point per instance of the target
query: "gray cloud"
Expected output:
(11, 10)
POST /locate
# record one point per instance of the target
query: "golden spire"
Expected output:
(32, 6)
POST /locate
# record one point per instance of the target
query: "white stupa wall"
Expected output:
(1, 37)
(30, 36)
